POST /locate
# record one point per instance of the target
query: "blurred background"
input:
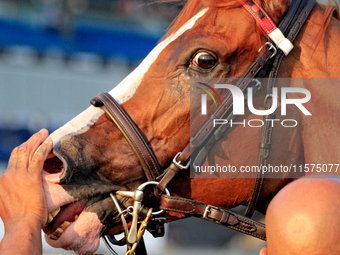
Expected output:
(55, 55)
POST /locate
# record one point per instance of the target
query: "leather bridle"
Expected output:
(268, 61)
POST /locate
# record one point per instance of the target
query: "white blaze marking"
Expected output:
(78, 124)
(126, 88)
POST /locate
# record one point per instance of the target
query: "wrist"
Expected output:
(27, 224)
(28, 231)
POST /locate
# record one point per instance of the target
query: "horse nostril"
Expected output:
(53, 165)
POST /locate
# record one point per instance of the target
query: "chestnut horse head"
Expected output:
(210, 39)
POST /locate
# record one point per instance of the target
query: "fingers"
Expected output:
(13, 158)
(35, 141)
(22, 159)
(39, 157)
(18, 156)
(22, 155)
(264, 251)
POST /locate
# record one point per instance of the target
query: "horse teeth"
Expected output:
(76, 217)
(57, 233)
(51, 215)
(50, 218)
(64, 225)
(53, 237)
(55, 212)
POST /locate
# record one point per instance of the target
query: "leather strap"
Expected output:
(131, 132)
(267, 25)
(292, 25)
(217, 215)
(265, 54)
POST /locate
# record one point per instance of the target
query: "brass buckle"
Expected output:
(179, 163)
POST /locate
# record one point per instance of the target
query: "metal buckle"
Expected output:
(207, 211)
(179, 163)
(271, 47)
(258, 83)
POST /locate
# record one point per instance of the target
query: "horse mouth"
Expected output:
(60, 219)
(72, 214)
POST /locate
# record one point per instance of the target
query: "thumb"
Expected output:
(264, 251)
(40, 156)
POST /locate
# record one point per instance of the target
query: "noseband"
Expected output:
(268, 61)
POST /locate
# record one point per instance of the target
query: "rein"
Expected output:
(268, 61)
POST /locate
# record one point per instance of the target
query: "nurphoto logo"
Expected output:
(239, 104)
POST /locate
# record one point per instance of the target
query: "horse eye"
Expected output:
(204, 60)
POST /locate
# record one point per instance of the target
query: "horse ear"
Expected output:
(276, 9)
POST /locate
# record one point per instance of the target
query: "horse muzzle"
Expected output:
(82, 206)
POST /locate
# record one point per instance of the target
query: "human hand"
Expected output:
(264, 251)
(21, 190)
